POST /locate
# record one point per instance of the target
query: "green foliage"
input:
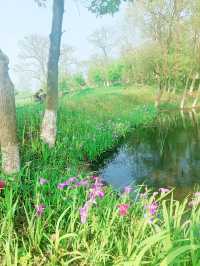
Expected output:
(106, 75)
(71, 83)
(102, 7)
(79, 79)
(97, 76)
(114, 74)
(64, 85)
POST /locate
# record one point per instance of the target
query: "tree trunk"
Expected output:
(49, 127)
(8, 137)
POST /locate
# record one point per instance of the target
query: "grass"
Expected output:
(90, 123)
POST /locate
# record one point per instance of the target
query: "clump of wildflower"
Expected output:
(155, 194)
(2, 184)
(127, 190)
(123, 209)
(84, 212)
(66, 183)
(164, 190)
(95, 178)
(40, 209)
(153, 208)
(151, 211)
(43, 181)
(83, 183)
(96, 191)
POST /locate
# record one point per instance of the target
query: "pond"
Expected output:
(165, 155)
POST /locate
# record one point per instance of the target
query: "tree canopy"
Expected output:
(102, 7)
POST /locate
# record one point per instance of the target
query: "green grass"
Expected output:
(90, 123)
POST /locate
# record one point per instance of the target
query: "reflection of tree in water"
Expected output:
(166, 156)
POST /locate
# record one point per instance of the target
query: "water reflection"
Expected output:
(164, 156)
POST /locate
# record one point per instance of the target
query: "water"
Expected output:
(164, 156)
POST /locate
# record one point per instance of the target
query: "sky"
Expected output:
(20, 18)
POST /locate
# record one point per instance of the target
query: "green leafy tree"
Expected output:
(115, 73)
(102, 7)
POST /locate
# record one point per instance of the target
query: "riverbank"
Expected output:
(56, 213)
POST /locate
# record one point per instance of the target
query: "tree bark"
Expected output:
(49, 127)
(8, 128)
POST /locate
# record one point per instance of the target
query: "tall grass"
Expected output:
(88, 126)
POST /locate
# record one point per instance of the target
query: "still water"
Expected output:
(165, 155)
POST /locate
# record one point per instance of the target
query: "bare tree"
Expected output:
(102, 39)
(8, 138)
(49, 127)
(33, 58)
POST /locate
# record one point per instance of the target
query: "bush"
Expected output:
(71, 83)
(97, 76)
(114, 73)
(79, 79)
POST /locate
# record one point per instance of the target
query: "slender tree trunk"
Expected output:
(8, 137)
(49, 127)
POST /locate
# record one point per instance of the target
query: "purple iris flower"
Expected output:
(164, 190)
(83, 183)
(127, 190)
(84, 212)
(66, 183)
(40, 209)
(43, 181)
(153, 208)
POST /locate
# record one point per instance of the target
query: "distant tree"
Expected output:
(79, 79)
(97, 76)
(8, 136)
(33, 58)
(33, 55)
(102, 39)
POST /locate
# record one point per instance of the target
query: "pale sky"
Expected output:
(19, 18)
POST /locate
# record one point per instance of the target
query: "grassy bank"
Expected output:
(40, 221)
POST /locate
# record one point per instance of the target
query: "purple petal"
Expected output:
(43, 181)
(40, 209)
(127, 190)
(83, 182)
(164, 190)
(66, 183)
(84, 212)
